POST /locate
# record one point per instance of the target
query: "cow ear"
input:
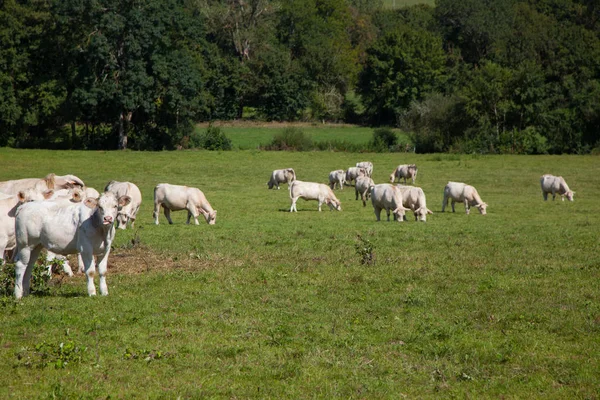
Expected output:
(90, 202)
(76, 197)
(124, 200)
(48, 193)
(21, 197)
(429, 211)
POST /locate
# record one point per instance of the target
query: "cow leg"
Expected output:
(90, 270)
(167, 212)
(26, 259)
(293, 207)
(356, 194)
(444, 202)
(320, 202)
(156, 212)
(467, 208)
(80, 263)
(192, 212)
(387, 211)
(102, 268)
(545, 194)
(452, 204)
(377, 213)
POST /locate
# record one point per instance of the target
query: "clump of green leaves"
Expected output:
(39, 277)
(212, 139)
(291, 139)
(365, 250)
(57, 355)
(384, 139)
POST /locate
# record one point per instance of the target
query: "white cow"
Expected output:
(389, 198)
(555, 184)
(368, 167)
(406, 171)
(414, 198)
(177, 198)
(287, 175)
(129, 212)
(461, 192)
(337, 177)
(363, 187)
(51, 181)
(354, 172)
(66, 228)
(313, 191)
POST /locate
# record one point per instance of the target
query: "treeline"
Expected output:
(491, 76)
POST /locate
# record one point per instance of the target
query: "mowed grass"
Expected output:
(253, 137)
(270, 304)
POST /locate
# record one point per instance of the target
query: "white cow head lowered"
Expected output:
(399, 213)
(210, 217)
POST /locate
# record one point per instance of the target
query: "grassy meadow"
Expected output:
(270, 304)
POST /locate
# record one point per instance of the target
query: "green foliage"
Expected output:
(58, 355)
(212, 139)
(291, 139)
(365, 250)
(384, 139)
(39, 277)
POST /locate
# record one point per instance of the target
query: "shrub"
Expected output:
(214, 139)
(39, 278)
(384, 139)
(291, 139)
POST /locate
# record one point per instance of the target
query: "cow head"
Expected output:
(399, 213)
(210, 217)
(482, 208)
(569, 195)
(421, 213)
(106, 207)
(334, 203)
(392, 177)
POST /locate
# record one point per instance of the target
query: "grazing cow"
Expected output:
(414, 198)
(389, 198)
(555, 184)
(368, 166)
(278, 176)
(406, 171)
(313, 191)
(177, 198)
(129, 212)
(337, 177)
(461, 192)
(363, 187)
(354, 172)
(51, 181)
(66, 228)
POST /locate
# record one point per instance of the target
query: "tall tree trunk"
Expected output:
(122, 133)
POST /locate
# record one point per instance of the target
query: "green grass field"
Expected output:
(406, 3)
(269, 304)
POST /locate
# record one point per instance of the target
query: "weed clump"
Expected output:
(365, 250)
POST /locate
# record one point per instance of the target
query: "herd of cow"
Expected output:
(397, 199)
(63, 216)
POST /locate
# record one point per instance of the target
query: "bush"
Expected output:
(291, 139)
(384, 139)
(214, 139)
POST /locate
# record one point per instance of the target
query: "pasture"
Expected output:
(272, 304)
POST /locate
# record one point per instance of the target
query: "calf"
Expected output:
(389, 198)
(461, 192)
(555, 184)
(363, 187)
(66, 228)
(313, 191)
(414, 199)
(177, 198)
(278, 176)
(129, 212)
(406, 171)
(337, 177)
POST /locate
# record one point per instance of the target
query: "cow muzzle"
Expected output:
(107, 220)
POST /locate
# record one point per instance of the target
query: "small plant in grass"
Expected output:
(57, 355)
(365, 250)
(39, 277)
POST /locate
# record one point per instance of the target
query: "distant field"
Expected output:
(268, 304)
(251, 137)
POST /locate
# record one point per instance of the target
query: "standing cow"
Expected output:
(363, 187)
(287, 175)
(389, 198)
(66, 228)
(414, 199)
(354, 172)
(405, 171)
(368, 167)
(555, 185)
(337, 177)
(313, 191)
(177, 198)
(461, 192)
(129, 212)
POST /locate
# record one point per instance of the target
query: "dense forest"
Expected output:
(486, 76)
